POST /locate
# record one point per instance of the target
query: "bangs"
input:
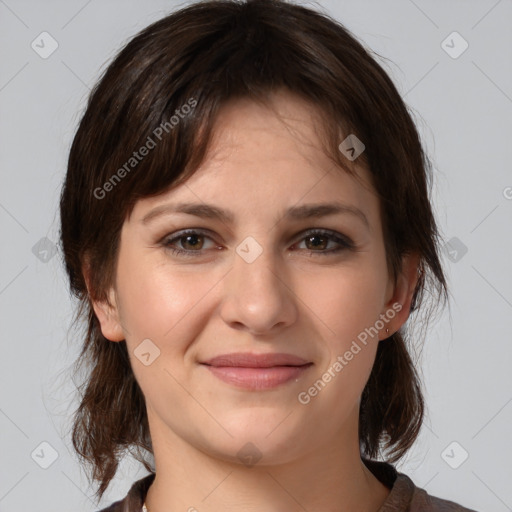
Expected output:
(159, 113)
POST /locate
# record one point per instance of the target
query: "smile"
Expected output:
(257, 378)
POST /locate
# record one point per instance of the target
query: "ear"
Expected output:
(107, 314)
(400, 295)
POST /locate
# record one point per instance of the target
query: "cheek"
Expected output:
(347, 305)
(346, 301)
(160, 302)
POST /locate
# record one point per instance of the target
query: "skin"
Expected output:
(287, 300)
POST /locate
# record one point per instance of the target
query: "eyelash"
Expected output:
(345, 242)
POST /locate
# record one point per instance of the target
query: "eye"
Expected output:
(317, 241)
(192, 242)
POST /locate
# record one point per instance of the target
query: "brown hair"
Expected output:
(201, 56)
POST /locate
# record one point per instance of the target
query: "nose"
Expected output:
(257, 295)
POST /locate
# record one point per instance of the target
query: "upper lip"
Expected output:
(248, 360)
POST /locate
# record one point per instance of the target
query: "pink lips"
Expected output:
(257, 371)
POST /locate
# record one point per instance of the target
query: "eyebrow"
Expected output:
(208, 211)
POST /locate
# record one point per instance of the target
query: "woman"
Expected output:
(246, 223)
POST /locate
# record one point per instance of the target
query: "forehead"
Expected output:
(287, 128)
(262, 159)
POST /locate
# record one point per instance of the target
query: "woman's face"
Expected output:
(272, 275)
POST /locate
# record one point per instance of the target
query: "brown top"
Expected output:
(404, 495)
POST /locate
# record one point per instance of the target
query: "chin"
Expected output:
(251, 452)
(254, 442)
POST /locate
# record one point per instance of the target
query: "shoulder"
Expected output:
(133, 501)
(405, 496)
(422, 501)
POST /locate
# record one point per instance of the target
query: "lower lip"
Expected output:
(257, 378)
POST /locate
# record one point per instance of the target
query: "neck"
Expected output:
(328, 478)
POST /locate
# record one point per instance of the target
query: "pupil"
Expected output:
(311, 238)
(194, 237)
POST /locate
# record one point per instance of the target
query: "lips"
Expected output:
(257, 372)
(249, 360)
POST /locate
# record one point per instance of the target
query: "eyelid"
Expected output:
(340, 238)
(176, 236)
(344, 242)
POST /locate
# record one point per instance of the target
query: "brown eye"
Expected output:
(190, 243)
(318, 242)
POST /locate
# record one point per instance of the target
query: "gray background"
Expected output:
(463, 108)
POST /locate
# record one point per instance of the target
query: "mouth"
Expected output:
(257, 371)
(251, 360)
